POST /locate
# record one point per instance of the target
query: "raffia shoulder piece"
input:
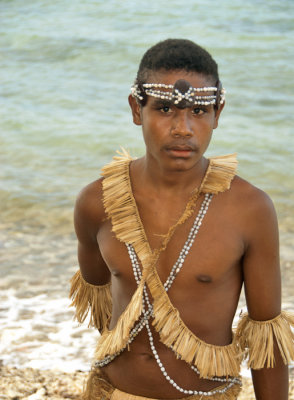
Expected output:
(121, 208)
(220, 172)
(257, 339)
(120, 205)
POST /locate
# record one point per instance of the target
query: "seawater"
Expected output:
(66, 68)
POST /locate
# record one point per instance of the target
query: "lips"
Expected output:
(180, 147)
(177, 150)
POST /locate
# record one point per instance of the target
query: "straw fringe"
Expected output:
(220, 172)
(91, 298)
(257, 338)
(120, 206)
(111, 342)
(99, 388)
(210, 360)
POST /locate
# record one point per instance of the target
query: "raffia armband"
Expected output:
(257, 340)
(91, 298)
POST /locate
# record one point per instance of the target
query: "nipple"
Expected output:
(204, 278)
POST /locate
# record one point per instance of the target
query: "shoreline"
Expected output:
(35, 384)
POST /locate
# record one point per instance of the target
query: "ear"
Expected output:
(136, 110)
(217, 115)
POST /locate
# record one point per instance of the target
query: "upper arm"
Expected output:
(261, 266)
(266, 341)
(88, 217)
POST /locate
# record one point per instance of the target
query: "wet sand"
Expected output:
(33, 384)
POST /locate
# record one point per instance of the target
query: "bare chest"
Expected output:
(214, 252)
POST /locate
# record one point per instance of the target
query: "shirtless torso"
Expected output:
(207, 290)
(237, 242)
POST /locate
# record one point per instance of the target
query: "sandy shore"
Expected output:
(33, 384)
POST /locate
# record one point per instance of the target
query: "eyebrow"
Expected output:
(163, 102)
(169, 103)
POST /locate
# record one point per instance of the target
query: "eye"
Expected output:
(198, 111)
(165, 109)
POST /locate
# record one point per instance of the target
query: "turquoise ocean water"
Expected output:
(66, 68)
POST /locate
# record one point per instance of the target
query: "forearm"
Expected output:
(272, 383)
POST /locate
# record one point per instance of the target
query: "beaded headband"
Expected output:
(182, 94)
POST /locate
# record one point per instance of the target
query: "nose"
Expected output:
(181, 125)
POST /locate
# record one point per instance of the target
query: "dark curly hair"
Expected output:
(177, 54)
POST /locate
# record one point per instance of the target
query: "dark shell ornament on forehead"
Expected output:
(181, 94)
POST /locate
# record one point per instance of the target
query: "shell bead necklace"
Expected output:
(148, 312)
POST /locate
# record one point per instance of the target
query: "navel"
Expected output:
(204, 278)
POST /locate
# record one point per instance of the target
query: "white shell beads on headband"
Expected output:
(175, 95)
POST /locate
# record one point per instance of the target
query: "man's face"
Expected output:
(176, 138)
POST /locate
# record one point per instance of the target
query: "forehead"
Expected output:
(171, 77)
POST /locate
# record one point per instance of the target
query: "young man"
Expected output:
(176, 235)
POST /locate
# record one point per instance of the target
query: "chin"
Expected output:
(182, 164)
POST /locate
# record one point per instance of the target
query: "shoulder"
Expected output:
(89, 210)
(90, 192)
(260, 261)
(255, 208)
(252, 199)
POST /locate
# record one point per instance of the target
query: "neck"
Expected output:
(173, 180)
